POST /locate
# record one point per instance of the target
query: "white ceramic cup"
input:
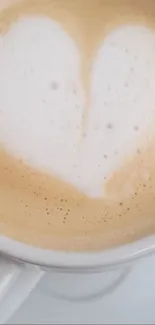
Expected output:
(71, 276)
(22, 266)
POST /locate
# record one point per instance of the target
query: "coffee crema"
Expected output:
(77, 114)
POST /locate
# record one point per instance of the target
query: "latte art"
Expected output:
(77, 110)
(42, 124)
(40, 63)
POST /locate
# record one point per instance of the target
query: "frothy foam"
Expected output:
(77, 113)
(41, 124)
(42, 100)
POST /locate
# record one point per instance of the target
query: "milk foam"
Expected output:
(42, 100)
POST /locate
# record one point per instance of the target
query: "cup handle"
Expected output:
(17, 280)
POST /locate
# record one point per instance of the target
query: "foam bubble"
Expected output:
(42, 100)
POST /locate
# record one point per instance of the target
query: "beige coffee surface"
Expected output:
(42, 210)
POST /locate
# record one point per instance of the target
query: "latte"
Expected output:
(77, 116)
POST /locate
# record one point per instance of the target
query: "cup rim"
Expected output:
(95, 260)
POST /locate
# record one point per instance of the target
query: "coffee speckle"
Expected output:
(109, 126)
(54, 85)
(74, 91)
(132, 69)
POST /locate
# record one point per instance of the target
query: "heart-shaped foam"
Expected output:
(42, 100)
